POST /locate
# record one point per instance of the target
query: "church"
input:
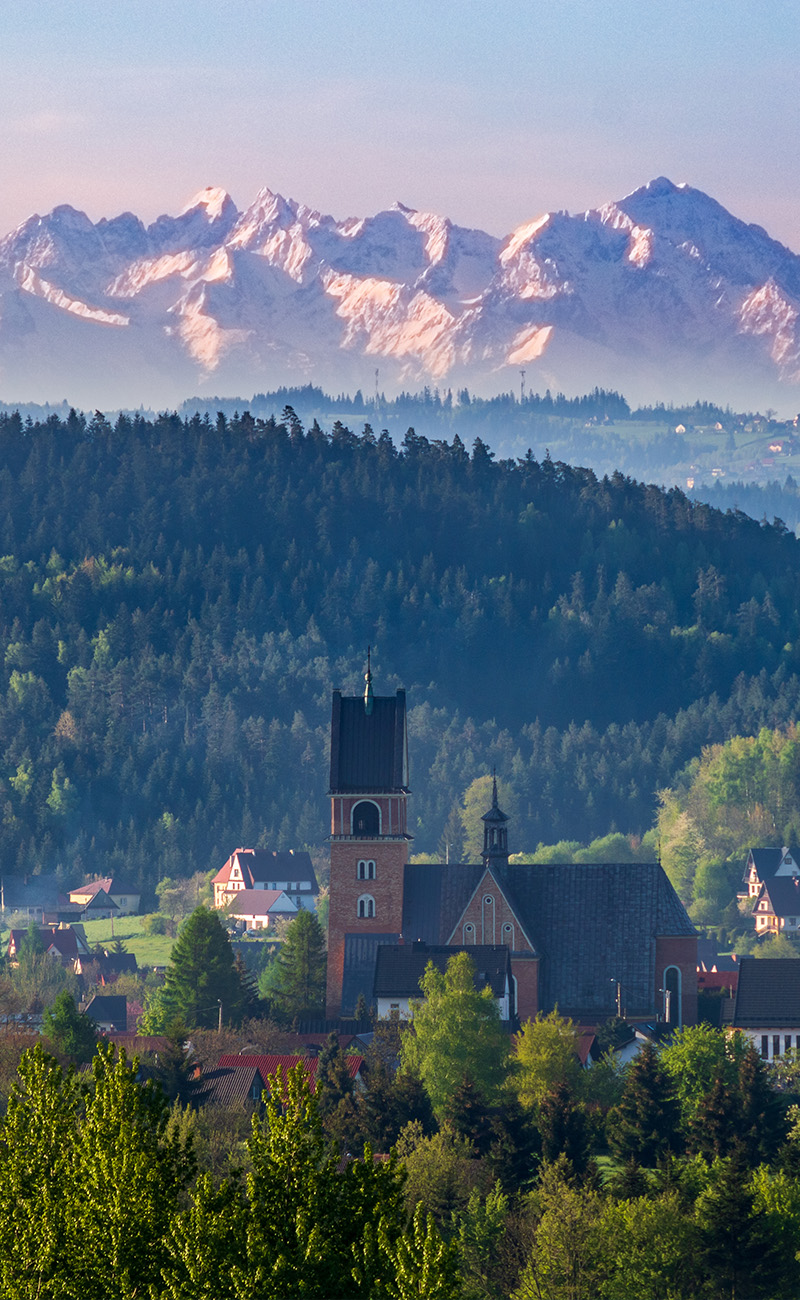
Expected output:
(592, 940)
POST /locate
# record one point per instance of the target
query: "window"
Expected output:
(764, 1046)
(366, 819)
(508, 934)
(366, 869)
(468, 934)
(762, 907)
(366, 907)
(787, 1042)
(776, 1044)
(671, 984)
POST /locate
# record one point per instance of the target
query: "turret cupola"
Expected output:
(495, 832)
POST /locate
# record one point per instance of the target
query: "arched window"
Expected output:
(366, 907)
(366, 869)
(487, 920)
(366, 819)
(508, 935)
(468, 934)
(671, 984)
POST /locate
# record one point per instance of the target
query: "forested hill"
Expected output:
(179, 597)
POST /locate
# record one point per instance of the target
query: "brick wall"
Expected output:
(526, 972)
(680, 951)
(489, 922)
(345, 890)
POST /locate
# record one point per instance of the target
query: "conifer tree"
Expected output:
(563, 1128)
(70, 1033)
(201, 975)
(715, 1127)
(762, 1126)
(298, 986)
(645, 1123)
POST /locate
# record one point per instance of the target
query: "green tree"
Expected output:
(201, 975)
(645, 1124)
(456, 1034)
(37, 1148)
(129, 1174)
(694, 1058)
(298, 973)
(737, 1243)
(71, 1033)
(545, 1055)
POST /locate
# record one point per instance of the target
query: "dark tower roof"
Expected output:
(369, 750)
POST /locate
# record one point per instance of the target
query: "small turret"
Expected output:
(495, 833)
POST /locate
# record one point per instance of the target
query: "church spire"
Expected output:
(495, 833)
(368, 686)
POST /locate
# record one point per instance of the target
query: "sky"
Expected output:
(488, 111)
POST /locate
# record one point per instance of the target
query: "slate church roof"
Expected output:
(369, 751)
(592, 925)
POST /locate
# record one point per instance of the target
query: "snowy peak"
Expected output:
(662, 287)
(216, 203)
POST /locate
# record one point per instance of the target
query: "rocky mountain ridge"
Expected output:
(664, 294)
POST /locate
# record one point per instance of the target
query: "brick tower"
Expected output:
(369, 839)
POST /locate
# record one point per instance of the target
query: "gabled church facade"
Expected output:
(588, 939)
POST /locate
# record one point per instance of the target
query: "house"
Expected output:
(109, 1011)
(400, 967)
(766, 1008)
(289, 871)
(227, 1086)
(124, 897)
(139, 1044)
(590, 939)
(107, 965)
(31, 896)
(269, 1064)
(777, 907)
(61, 943)
(257, 909)
(763, 865)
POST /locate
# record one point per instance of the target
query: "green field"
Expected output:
(149, 949)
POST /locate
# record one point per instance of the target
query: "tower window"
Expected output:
(366, 869)
(366, 819)
(366, 907)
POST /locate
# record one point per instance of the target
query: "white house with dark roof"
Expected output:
(763, 865)
(400, 967)
(257, 909)
(288, 871)
(766, 1008)
(777, 906)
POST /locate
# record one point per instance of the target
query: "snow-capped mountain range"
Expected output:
(663, 294)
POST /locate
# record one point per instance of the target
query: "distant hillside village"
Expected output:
(389, 919)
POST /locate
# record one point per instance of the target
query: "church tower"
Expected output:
(369, 838)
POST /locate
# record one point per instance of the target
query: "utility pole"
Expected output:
(219, 1024)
